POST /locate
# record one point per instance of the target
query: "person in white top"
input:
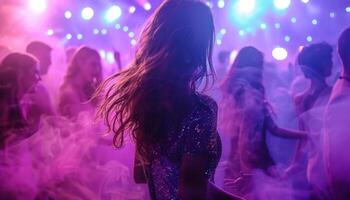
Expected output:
(337, 129)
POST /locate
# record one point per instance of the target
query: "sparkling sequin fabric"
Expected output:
(198, 135)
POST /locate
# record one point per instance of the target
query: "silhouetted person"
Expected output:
(248, 119)
(18, 76)
(84, 74)
(223, 64)
(41, 99)
(316, 64)
(42, 52)
(155, 100)
(337, 128)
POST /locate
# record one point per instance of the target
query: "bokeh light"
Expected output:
(38, 6)
(104, 31)
(221, 3)
(68, 14)
(245, 7)
(309, 38)
(147, 6)
(133, 42)
(132, 9)
(69, 36)
(279, 53)
(87, 13)
(113, 13)
(281, 4)
(50, 32)
(79, 36)
(96, 31)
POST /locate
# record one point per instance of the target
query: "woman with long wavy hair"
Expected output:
(84, 74)
(247, 116)
(155, 101)
(18, 76)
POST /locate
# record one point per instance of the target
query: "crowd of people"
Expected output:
(168, 129)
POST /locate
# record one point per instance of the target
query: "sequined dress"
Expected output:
(198, 134)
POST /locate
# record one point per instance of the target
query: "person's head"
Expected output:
(224, 57)
(177, 41)
(69, 54)
(26, 69)
(247, 66)
(316, 60)
(174, 53)
(249, 57)
(42, 52)
(344, 50)
(85, 67)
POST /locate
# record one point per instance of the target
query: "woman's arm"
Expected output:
(286, 133)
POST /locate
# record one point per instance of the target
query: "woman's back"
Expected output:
(250, 111)
(197, 135)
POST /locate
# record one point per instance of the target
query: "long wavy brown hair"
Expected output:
(74, 69)
(174, 54)
(247, 57)
(11, 67)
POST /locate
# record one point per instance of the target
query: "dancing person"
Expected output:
(248, 118)
(316, 64)
(156, 102)
(223, 64)
(337, 138)
(41, 98)
(18, 76)
(42, 52)
(84, 74)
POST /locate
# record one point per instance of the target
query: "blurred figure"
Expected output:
(84, 74)
(156, 102)
(248, 118)
(337, 129)
(223, 64)
(18, 76)
(42, 52)
(70, 53)
(41, 99)
(316, 64)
